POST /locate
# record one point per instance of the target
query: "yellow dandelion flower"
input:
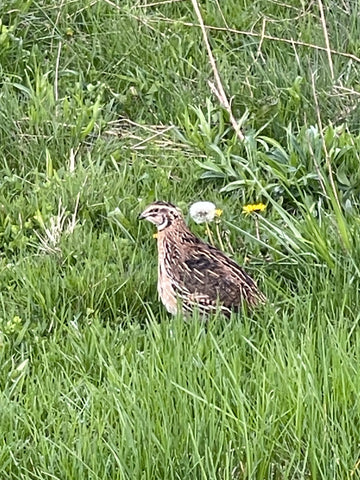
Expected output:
(253, 207)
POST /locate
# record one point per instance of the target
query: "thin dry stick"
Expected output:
(217, 88)
(327, 157)
(221, 13)
(150, 128)
(53, 36)
(155, 4)
(327, 43)
(56, 81)
(346, 91)
(145, 140)
(297, 57)
(257, 35)
(356, 467)
(117, 7)
(258, 53)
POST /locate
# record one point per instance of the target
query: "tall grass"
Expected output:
(105, 106)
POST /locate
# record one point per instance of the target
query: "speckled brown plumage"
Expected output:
(192, 273)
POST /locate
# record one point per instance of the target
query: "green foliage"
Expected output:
(105, 106)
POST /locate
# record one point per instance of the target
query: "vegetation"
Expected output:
(104, 107)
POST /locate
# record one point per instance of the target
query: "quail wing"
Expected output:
(206, 277)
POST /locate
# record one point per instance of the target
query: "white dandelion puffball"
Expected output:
(202, 212)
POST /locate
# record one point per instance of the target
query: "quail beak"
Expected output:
(143, 217)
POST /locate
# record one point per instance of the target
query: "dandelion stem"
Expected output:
(219, 236)
(209, 234)
(257, 227)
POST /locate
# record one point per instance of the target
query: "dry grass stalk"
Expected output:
(290, 41)
(326, 36)
(217, 87)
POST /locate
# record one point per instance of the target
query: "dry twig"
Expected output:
(327, 43)
(56, 80)
(217, 87)
(260, 35)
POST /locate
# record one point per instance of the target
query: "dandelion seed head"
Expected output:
(202, 212)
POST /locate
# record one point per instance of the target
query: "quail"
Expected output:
(193, 274)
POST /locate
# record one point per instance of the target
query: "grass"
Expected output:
(105, 106)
